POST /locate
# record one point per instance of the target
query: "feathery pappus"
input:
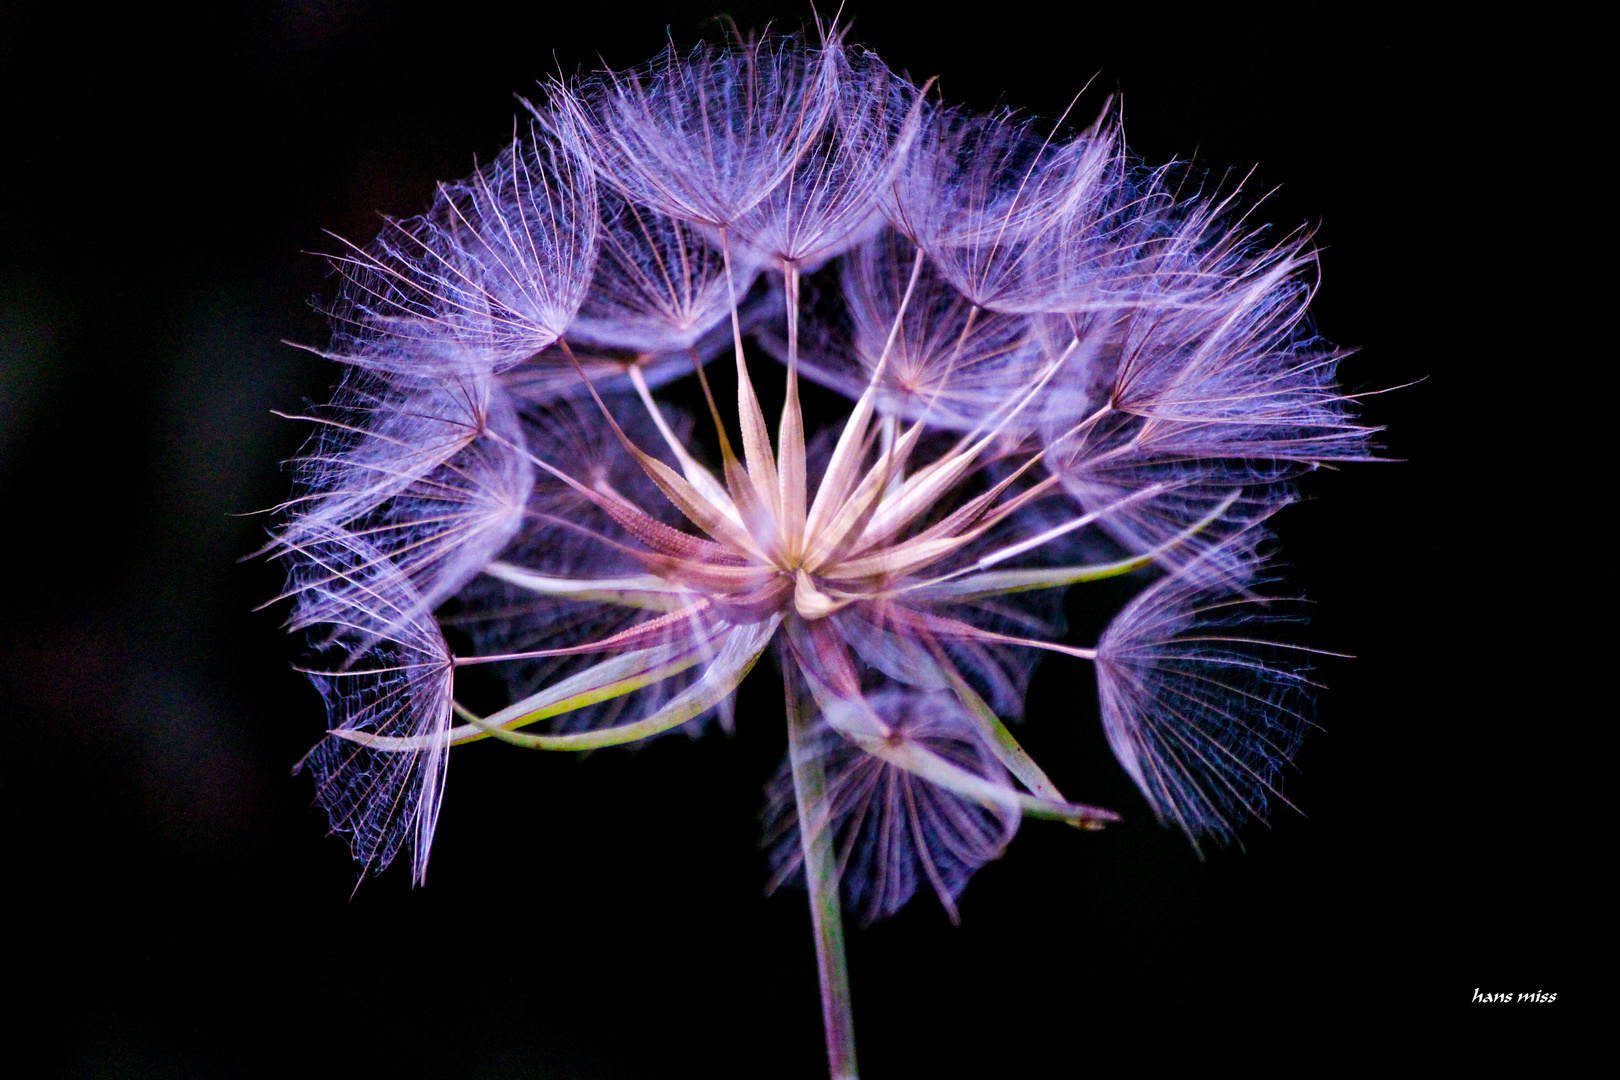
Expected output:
(1059, 366)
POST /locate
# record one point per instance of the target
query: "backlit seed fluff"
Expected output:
(549, 448)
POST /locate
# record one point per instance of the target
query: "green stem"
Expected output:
(821, 876)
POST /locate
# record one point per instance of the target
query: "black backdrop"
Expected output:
(174, 907)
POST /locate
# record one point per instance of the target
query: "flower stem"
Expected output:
(821, 876)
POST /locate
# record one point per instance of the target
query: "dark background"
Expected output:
(175, 909)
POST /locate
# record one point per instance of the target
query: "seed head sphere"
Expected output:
(1060, 366)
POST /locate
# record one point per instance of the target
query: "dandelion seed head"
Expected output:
(895, 833)
(390, 680)
(659, 286)
(492, 273)
(1200, 703)
(437, 486)
(1059, 366)
(706, 135)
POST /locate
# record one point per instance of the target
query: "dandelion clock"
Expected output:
(547, 466)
